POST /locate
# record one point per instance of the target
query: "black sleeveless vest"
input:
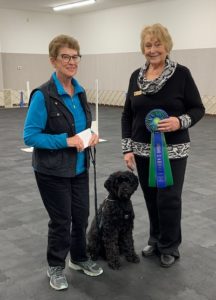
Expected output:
(61, 162)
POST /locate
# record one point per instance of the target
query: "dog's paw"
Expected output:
(93, 254)
(133, 258)
(94, 257)
(115, 265)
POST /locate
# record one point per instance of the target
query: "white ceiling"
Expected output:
(45, 6)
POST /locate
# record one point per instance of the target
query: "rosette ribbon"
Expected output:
(160, 173)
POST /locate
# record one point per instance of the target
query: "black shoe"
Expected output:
(148, 250)
(167, 260)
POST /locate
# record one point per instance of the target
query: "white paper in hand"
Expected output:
(85, 136)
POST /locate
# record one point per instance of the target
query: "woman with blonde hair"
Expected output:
(162, 103)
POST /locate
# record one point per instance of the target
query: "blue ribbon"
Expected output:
(160, 174)
(159, 160)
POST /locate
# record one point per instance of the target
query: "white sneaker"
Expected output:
(58, 280)
(148, 250)
(89, 267)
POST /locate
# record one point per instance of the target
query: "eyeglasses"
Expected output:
(67, 58)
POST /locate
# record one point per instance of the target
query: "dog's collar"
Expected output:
(111, 200)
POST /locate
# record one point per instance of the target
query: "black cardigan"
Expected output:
(177, 97)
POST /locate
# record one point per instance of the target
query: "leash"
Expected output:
(93, 159)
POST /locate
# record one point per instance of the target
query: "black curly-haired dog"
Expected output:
(110, 234)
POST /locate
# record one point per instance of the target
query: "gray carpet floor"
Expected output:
(23, 224)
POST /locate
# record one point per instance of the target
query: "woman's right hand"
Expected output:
(75, 141)
(130, 161)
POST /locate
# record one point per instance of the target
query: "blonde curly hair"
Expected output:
(159, 32)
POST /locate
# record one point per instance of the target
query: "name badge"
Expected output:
(137, 93)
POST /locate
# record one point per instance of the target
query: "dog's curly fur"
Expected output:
(110, 234)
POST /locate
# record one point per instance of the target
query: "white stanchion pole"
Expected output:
(28, 90)
(96, 104)
(95, 124)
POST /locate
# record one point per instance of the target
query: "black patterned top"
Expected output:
(179, 97)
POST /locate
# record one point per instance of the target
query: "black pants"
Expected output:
(67, 203)
(164, 206)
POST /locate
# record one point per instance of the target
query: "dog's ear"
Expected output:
(108, 184)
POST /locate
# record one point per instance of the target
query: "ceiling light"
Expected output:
(74, 4)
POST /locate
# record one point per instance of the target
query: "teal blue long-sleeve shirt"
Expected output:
(36, 119)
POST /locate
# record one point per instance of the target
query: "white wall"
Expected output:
(28, 32)
(191, 23)
(1, 74)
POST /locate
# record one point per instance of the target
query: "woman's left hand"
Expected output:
(168, 125)
(94, 140)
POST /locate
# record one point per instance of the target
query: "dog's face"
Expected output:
(121, 184)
